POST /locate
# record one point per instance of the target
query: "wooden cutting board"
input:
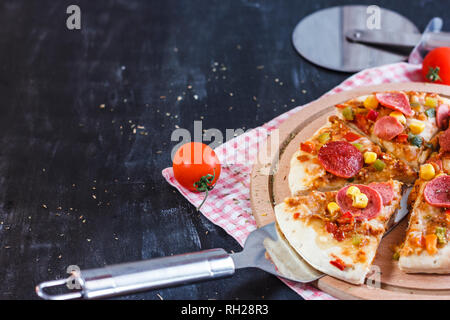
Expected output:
(269, 186)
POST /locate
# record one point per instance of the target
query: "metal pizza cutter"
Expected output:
(265, 249)
(182, 269)
(345, 38)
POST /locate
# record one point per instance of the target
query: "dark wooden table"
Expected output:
(87, 117)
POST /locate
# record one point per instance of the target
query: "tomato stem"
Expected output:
(433, 74)
(205, 185)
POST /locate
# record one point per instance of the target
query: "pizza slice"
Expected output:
(338, 232)
(337, 155)
(426, 248)
(403, 123)
(437, 163)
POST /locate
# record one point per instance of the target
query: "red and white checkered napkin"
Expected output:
(228, 204)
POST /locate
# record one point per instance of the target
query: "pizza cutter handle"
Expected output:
(143, 275)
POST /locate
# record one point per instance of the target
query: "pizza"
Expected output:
(426, 248)
(437, 163)
(337, 155)
(347, 181)
(402, 123)
(338, 232)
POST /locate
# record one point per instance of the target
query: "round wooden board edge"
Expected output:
(261, 198)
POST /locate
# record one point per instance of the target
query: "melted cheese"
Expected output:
(430, 128)
(303, 173)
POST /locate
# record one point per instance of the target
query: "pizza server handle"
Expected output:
(142, 275)
(428, 40)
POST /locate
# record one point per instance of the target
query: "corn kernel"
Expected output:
(431, 102)
(352, 191)
(360, 201)
(427, 171)
(333, 207)
(417, 126)
(399, 116)
(370, 157)
(371, 102)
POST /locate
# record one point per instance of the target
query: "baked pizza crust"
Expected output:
(318, 247)
(425, 263)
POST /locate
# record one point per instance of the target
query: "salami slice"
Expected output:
(444, 141)
(397, 101)
(387, 128)
(442, 116)
(341, 159)
(373, 208)
(385, 189)
(437, 192)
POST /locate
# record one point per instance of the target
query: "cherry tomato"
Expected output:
(196, 166)
(436, 66)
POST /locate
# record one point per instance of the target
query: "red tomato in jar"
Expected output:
(436, 66)
(196, 166)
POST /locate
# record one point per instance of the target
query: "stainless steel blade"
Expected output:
(321, 38)
(403, 211)
(283, 261)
